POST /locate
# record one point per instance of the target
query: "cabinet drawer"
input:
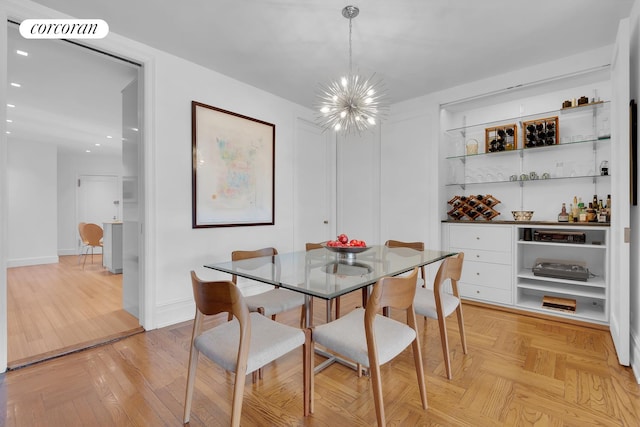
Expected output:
(487, 237)
(485, 274)
(501, 296)
(484, 256)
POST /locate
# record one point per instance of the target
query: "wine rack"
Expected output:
(541, 132)
(473, 207)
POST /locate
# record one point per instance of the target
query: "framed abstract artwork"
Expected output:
(233, 168)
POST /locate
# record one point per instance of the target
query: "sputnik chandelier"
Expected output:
(353, 103)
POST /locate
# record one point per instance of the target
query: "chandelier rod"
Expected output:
(350, 12)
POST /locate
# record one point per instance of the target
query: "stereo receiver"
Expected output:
(559, 236)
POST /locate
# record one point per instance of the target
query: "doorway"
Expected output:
(78, 142)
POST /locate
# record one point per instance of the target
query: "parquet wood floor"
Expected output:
(55, 309)
(519, 371)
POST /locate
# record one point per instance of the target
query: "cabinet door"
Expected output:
(620, 222)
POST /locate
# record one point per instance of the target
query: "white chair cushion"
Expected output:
(275, 301)
(269, 341)
(346, 336)
(424, 303)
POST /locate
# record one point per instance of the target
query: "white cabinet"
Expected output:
(487, 273)
(590, 296)
(498, 266)
(112, 246)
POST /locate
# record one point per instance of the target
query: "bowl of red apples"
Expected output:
(344, 245)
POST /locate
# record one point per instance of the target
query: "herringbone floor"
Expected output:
(519, 371)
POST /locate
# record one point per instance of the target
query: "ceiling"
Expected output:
(289, 47)
(68, 95)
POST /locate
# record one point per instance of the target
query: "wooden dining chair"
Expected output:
(439, 303)
(370, 339)
(243, 345)
(418, 246)
(273, 301)
(309, 247)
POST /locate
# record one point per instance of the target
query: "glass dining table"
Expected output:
(325, 274)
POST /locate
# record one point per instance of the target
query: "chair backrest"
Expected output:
(92, 233)
(395, 292)
(258, 253)
(218, 297)
(451, 268)
(311, 246)
(418, 246)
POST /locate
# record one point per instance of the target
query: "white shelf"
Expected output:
(585, 311)
(592, 282)
(587, 245)
(529, 117)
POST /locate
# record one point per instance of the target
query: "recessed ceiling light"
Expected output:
(22, 52)
(109, 137)
(97, 144)
(11, 106)
(134, 129)
(87, 151)
(15, 84)
(8, 132)
(9, 121)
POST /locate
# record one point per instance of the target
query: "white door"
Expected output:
(98, 199)
(620, 215)
(314, 185)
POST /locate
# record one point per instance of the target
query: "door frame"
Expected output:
(116, 45)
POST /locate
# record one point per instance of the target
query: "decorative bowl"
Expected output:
(347, 249)
(347, 253)
(522, 215)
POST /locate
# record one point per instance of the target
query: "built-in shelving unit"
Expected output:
(590, 295)
(532, 157)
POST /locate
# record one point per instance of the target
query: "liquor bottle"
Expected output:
(571, 217)
(563, 216)
(595, 201)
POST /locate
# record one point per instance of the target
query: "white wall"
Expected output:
(32, 202)
(179, 248)
(70, 166)
(635, 210)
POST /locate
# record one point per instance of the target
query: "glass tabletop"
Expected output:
(325, 274)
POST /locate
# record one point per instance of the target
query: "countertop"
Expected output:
(564, 224)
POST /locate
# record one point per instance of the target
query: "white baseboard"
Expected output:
(24, 262)
(64, 252)
(175, 312)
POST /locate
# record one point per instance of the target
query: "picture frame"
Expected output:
(233, 168)
(541, 132)
(501, 138)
